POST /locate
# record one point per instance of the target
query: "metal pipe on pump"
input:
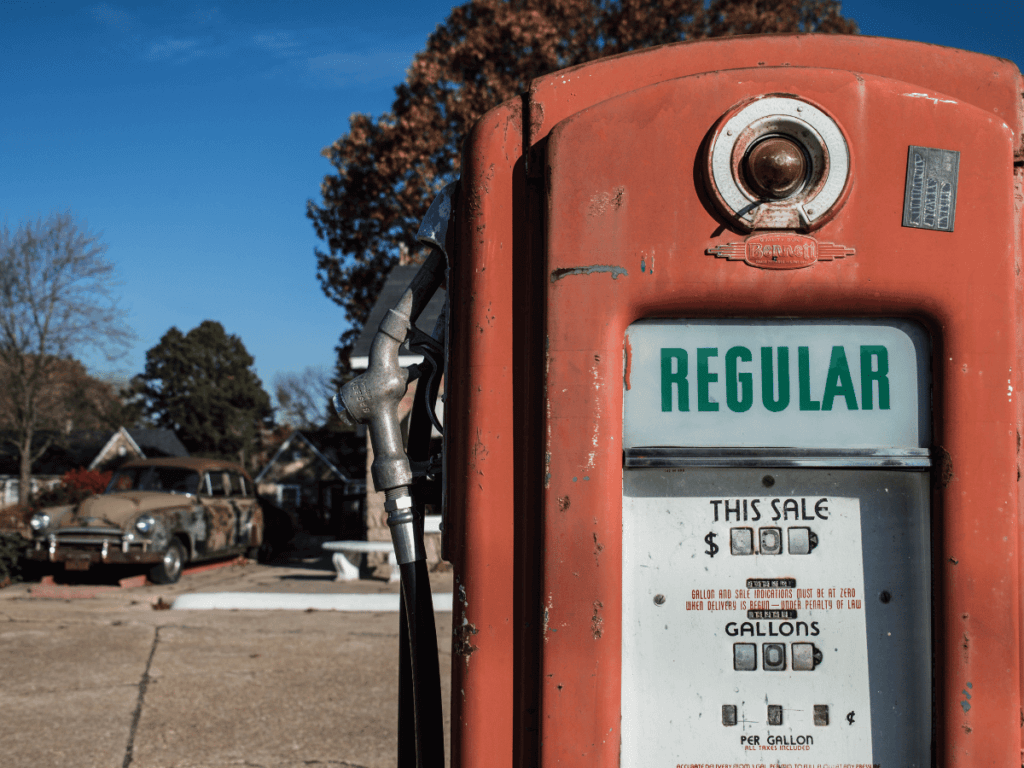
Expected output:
(372, 399)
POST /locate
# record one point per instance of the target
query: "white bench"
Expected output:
(349, 572)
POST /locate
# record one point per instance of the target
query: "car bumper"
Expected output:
(80, 556)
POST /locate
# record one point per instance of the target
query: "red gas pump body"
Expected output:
(584, 207)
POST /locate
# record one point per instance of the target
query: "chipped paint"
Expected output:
(595, 374)
(563, 503)
(627, 362)
(603, 201)
(589, 269)
(462, 644)
(547, 617)
(547, 413)
(462, 635)
(479, 451)
(966, 703)
(925, 96)
(598, 549)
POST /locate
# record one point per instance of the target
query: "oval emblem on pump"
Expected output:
(780, 250)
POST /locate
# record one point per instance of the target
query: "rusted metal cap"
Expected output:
(775, 167)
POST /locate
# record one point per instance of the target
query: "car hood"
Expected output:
(119, 509)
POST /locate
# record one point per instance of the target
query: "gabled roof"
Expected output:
(81, 447)
(398, 280)
(298, 437)
(120, 433)
(157, 442)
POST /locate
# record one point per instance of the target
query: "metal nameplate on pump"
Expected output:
(929, 198)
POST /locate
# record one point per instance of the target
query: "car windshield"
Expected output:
(166, 479)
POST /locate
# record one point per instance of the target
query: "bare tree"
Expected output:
(56, 299)
(390, 168)
(303, 399)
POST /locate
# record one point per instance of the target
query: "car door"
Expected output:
(244, 503)
(220, 514)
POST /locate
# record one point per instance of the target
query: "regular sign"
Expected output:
(775, 383)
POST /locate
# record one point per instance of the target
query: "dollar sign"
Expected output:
(710, 541)
(849, 718)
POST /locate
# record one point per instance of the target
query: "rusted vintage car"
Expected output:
(161, 511)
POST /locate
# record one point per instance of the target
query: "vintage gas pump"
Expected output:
(732, 418)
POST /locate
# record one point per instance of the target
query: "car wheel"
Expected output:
(168, 570)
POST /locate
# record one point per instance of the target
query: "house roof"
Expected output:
(80, 447)
(398, 280)
(191, 462)
(322, 455)
(157, 442)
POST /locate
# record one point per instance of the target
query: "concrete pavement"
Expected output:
(110, 681)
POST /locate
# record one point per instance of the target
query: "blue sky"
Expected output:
(189, 135)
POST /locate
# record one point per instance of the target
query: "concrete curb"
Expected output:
(277, 601)
(60, 592)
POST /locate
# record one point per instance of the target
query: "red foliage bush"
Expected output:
(90, 480)
(75, 485)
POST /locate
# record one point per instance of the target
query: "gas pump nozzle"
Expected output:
(372, 398)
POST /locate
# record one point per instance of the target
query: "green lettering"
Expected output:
(838, 382)
(739, 387)
(869, 374)
(768, 379)
(705, 378)
(668, 378)
(804, 373)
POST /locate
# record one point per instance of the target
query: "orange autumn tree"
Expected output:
(388, 169)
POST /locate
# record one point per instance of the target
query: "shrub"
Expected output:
(74, 485)
(12, 547)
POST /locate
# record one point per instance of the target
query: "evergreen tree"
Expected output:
(202, 386)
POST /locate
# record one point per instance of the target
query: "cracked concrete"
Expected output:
(112, 683)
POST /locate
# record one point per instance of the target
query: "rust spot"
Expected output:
(462, 641)
(536, 119)
(954, 561)
(480, 451)
(563, 503)
(629, 362)
(596, 622)
(598, 549)
(589, 269)
(514, 119)
(945, 475)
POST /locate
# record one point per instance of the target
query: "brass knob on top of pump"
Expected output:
(775, 167)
